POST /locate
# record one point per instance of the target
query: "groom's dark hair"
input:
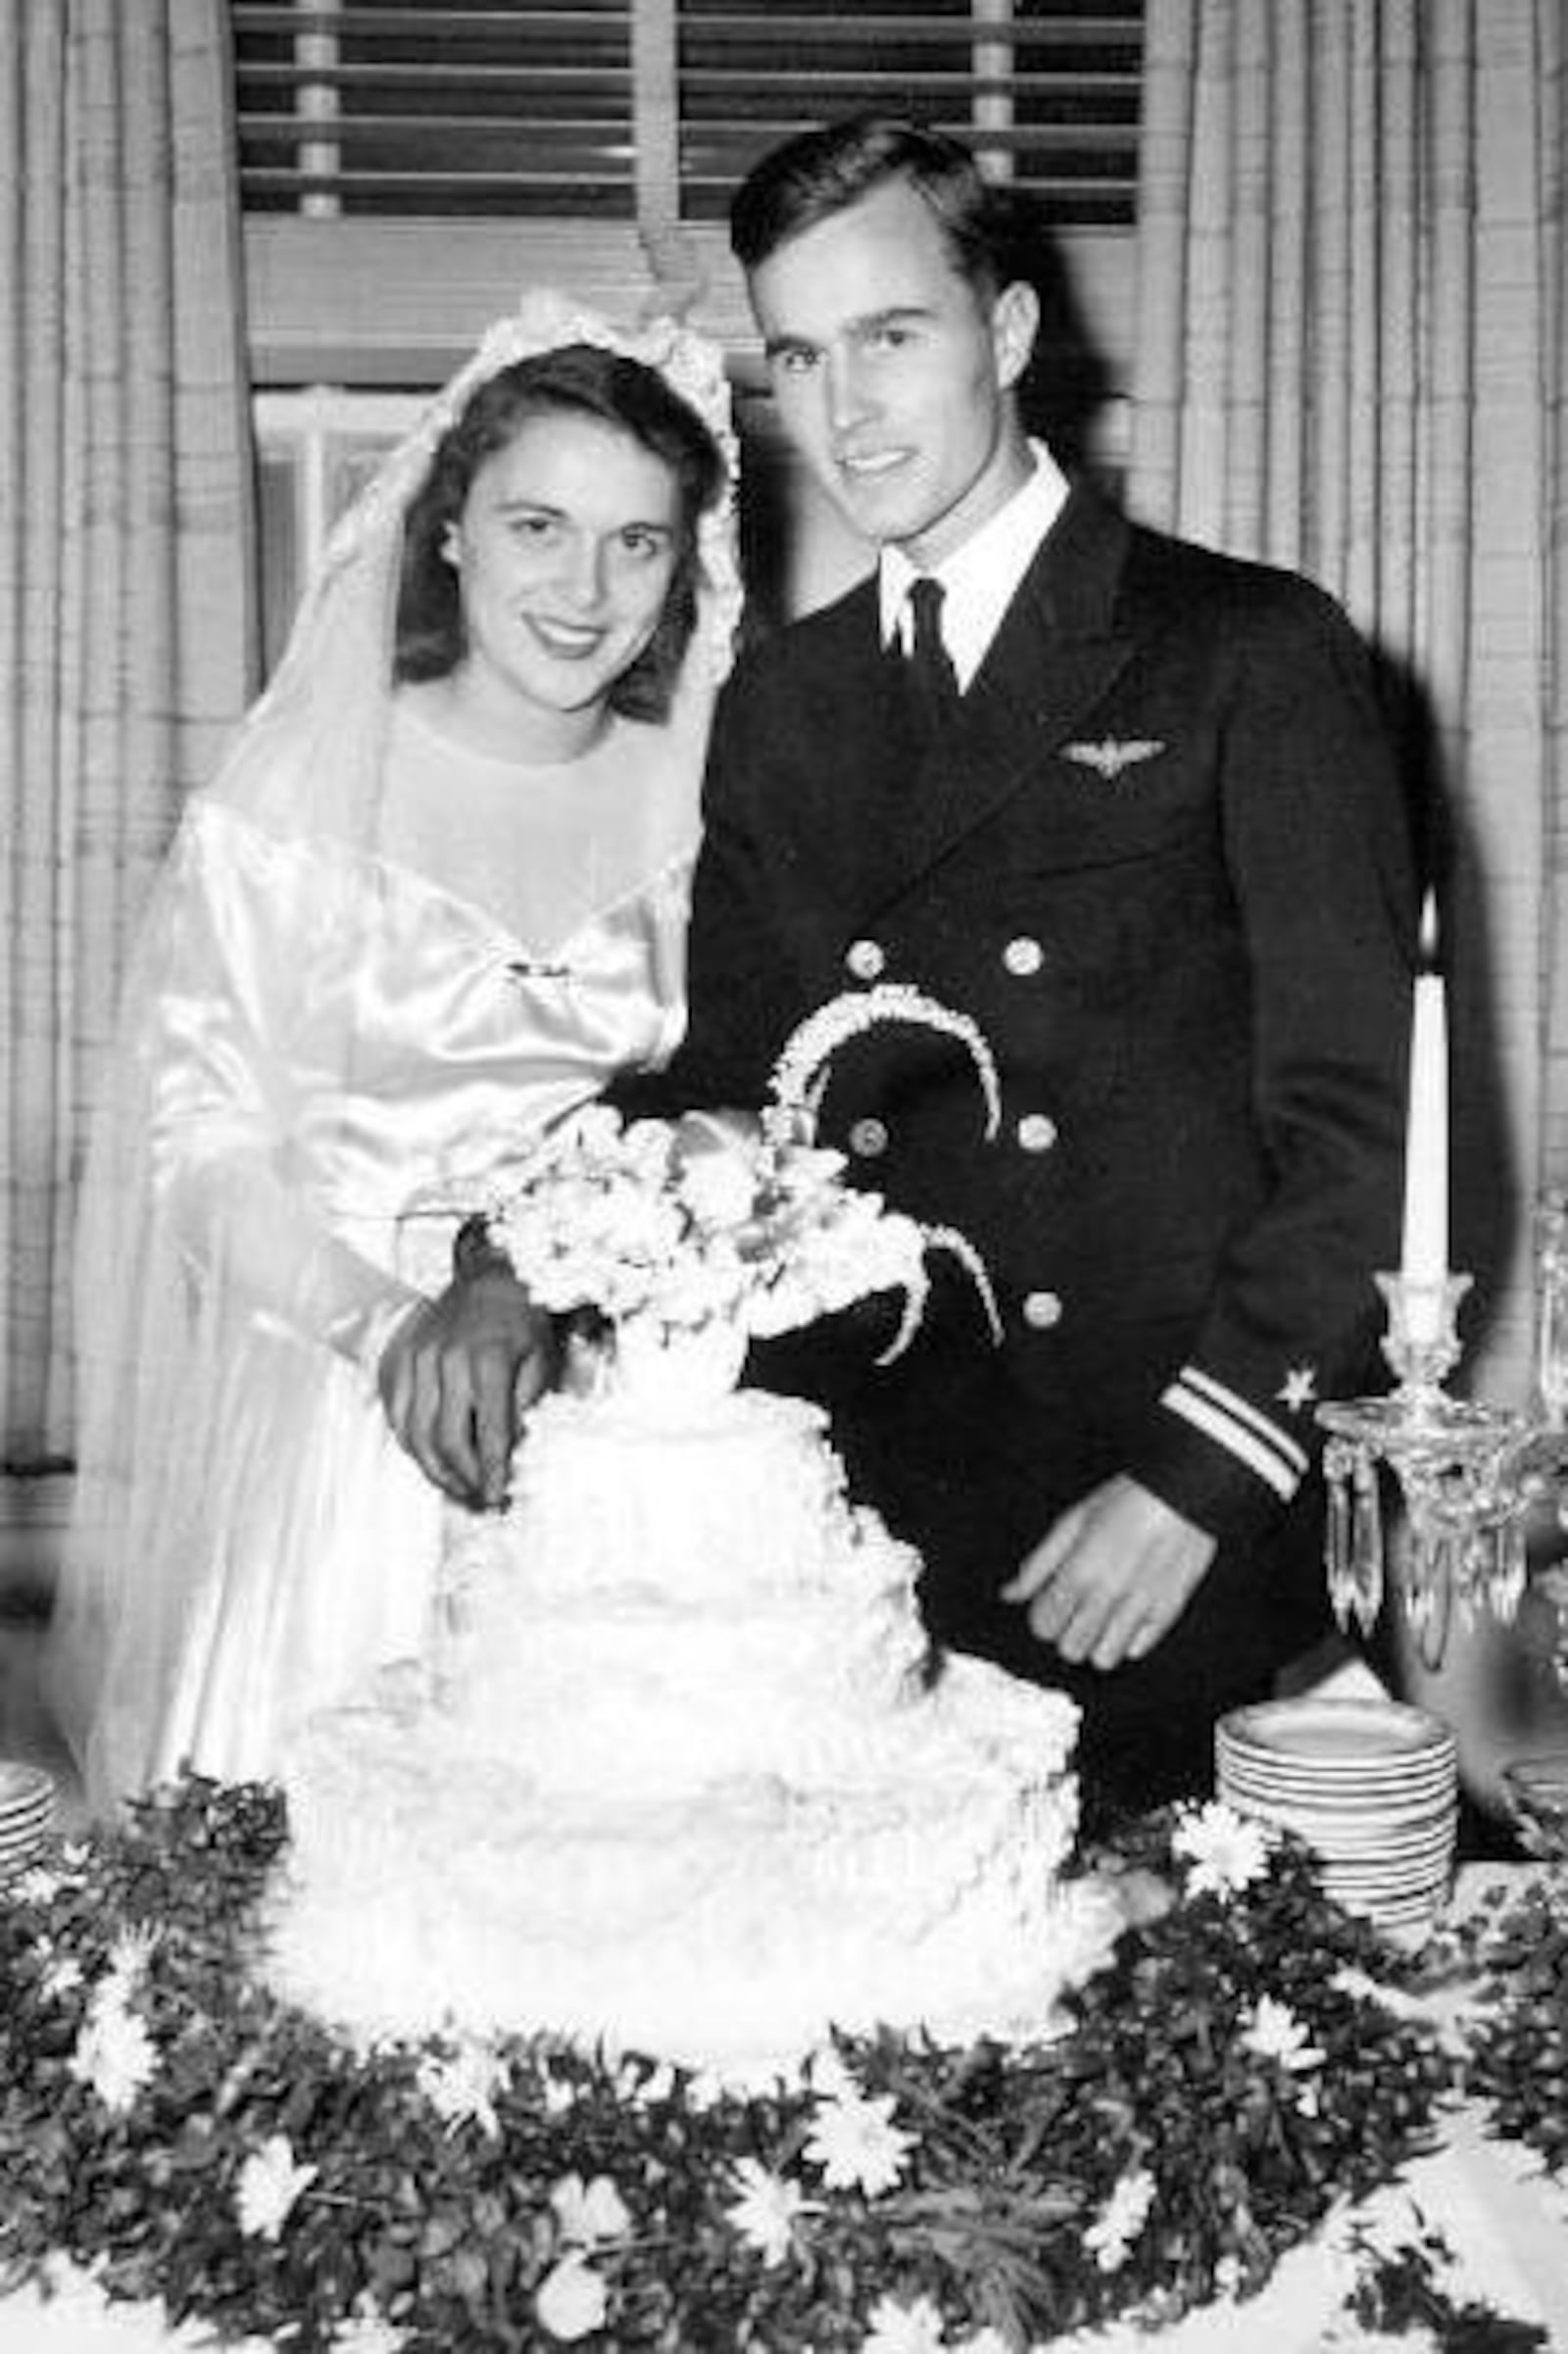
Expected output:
(820, 172)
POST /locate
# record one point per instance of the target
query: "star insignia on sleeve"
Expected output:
(1298, 1390)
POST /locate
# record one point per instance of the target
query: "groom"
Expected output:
(1130, 806)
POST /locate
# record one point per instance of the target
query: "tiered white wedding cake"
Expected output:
(679, 1769)
(682, 1774)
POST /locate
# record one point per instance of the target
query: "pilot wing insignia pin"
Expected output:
(1113, 755)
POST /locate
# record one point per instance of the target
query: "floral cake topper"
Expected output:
(731, 1220)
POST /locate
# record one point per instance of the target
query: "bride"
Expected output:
(433, 901)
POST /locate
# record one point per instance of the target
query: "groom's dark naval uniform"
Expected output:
(1161, 857)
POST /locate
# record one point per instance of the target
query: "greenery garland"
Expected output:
(1516, 1950)
(169, 2123)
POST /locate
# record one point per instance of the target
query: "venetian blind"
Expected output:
(652, 110)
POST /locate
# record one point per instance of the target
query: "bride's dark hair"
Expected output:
(576, 379)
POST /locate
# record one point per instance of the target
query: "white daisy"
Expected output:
(857, 2146)
(113, 2054)
(768, 2210)
(1275, 2033)
(897, 2329)
(267, 2185)
(131, 1952)
(1227, 1852)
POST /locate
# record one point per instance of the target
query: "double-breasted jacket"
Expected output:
(1161, 859)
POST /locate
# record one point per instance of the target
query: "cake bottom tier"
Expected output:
(728, 1930)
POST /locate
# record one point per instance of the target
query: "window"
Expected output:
(406, 164)
(522, 108)
(315, 450)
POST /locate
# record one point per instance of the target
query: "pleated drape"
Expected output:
(1351, 360)
(126, 571)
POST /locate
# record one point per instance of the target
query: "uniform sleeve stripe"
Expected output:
(1243, 1410)
(1234, 1438)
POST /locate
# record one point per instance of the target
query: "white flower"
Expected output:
(38, 1885)
(720, 1188)
(572, 2299)
(983, 2341)
(799, 1072)
(857, 2146)
(367, 2331)
(755, 1232)
(560, 2094)
(267, 2185)
(1227, 1850)
(131, 1953)
(642, 2081)
(897, 2329)
(1275, 2033)
(62, 1976)
(1110, 2237)
(113, 2052)
(1230, 2274)
(461, 2087)
(830, 2075)
(765, 2214)
(590, 2212)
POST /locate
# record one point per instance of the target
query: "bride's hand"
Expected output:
(459, 1374)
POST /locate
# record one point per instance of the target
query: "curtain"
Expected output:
(126, 579)
(1354, 360)
(1351, 360)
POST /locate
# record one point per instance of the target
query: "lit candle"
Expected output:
(1424, 1257)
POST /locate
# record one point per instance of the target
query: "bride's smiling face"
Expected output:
(565, 548)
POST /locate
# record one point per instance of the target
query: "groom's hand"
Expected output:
(457, 1376)
(1111, 1577)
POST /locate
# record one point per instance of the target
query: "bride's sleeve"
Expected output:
(224, 1077)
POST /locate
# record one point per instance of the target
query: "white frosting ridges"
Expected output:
(665, 1612)
(681, 1773)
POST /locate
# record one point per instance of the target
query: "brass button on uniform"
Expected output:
(866, 959)
(1023, 956)
(1042, 1310)
(867, 1139)
(1037, 1132)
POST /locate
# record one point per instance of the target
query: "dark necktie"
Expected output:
(933, 682)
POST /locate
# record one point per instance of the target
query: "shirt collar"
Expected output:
(979, 580)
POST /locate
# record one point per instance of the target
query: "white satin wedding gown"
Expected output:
(347, 1052)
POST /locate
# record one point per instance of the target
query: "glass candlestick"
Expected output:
(1422, 1341)
(1456, 1466)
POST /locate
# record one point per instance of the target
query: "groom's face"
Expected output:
(893, 375)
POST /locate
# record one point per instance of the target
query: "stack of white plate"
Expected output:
(1369, 1785)
(27, 1814)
